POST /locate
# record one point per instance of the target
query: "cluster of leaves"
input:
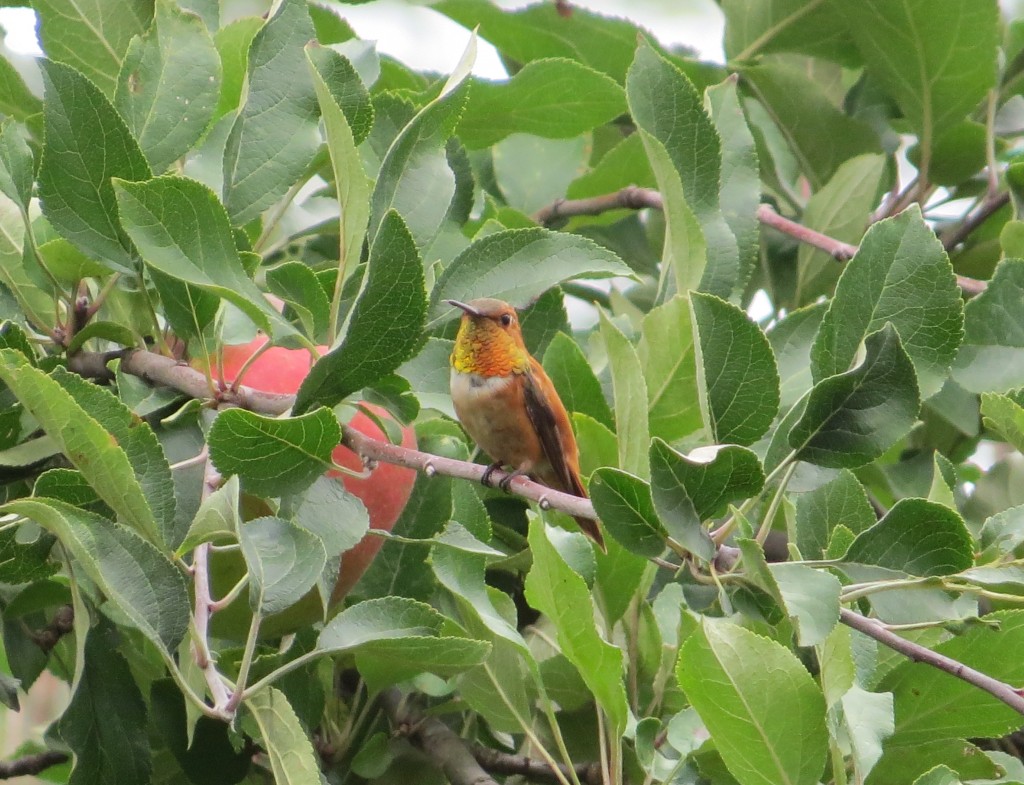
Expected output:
(179, 167)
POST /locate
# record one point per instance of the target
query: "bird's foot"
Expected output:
(485, 479)
(506, 482)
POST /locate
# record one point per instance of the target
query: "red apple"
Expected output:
(384, 493)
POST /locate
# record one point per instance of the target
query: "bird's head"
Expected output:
(489, 341)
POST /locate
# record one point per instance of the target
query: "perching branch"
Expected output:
(442, 745)
(166, 372)
(31, 764)
(1011, 696)
(635, 198)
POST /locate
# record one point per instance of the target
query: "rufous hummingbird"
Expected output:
(508, 404)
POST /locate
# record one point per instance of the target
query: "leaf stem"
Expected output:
(722, 533)
(773, 507)
(243, 669)
(231, 596)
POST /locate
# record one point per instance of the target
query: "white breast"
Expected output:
(480, 409)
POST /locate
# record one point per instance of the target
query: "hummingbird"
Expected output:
(509, 406)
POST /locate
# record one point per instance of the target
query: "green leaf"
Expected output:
(17, 168)
(86, 443)
(554, 589)
(717, 475)
(791, 340)
(292, 759)
(67, 263)
(900, 275)
(931, 705)
(626, 508)
(398, 638)
(91, 36)
(853, 418)
(686, 155)
(756, 27)
(297, 285)
(140, 445)
(840, 209)
(169, 85)
(400, 568)
(385, 327)
(820, 136)
(36, 304)
(1005, 416)
(603, 43)
(917, 537)
(811, 598)
(737, 380)
(542, 320)
(630, 401)
(415, 177)
(992, 355)
(87, 144)
(16, 99)
(669, 364)
(275, 135)
(552, 98)
(463, 575)
(868, 718)
(233, 42)
(181, 230)
(25, 562)
(517, 265)
(330, 72)
(937, 60)
(740, 192)
(105, 723)
(284, 562)
(429, 373)
(218, 518)
(273, 456)
(763, 710)
(841, 502)
(574, 379)
(678, 511)
(141, 581)
(940, 775)
(345, 87)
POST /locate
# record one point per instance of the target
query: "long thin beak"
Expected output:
(467, 308)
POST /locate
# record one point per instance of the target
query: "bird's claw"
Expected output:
(485, 479)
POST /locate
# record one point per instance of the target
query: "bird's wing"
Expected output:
(540, 409)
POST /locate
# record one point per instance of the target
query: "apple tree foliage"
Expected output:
(776, 441)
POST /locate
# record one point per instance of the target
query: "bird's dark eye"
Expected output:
(506, 319)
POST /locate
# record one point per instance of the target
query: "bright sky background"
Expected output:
(425, 39)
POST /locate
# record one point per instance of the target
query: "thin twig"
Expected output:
(838, 250)
(962, 230)
(203, 607)
(31, 764)
(506, 764)
(631, 197)
(63, 623)
(635, 198)
(445, 748)
(1012, 697)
